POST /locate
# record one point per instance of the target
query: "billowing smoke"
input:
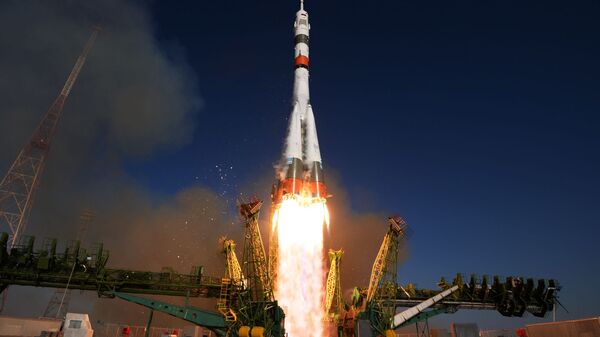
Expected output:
(133, 98)
(131, 94)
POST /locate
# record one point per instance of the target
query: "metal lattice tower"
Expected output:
(383, 284)
(333, 296)
(18, 187)
(59, 303)
(255, 267)
(231, 282)
(233, 270)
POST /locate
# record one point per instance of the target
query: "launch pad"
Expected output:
(259, 296)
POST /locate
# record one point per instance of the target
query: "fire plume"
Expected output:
(300, 286)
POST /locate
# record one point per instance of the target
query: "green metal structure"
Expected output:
(379, 307)
(44, 267)
(255, 305)
(511, 296)
(256, 311)
(373, 309)
(212, 321)
(24, 266)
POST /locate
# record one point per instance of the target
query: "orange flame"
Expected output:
(300, 284)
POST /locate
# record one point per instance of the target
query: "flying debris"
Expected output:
(302, 173)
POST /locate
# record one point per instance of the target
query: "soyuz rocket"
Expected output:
(302, 172)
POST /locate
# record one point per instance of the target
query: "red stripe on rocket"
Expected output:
(303, 170)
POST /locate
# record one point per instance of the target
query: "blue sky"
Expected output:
(477, 121)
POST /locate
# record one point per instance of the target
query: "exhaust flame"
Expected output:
(300, 279)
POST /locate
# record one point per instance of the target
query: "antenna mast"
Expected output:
(18, 187)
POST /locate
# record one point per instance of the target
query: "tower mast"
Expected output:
(18, 187)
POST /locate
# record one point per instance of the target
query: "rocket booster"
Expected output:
(303, 170)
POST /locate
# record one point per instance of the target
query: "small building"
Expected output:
(77, 325)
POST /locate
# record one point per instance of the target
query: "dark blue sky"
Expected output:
(478, 121)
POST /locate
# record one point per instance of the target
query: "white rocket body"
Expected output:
(304, 171)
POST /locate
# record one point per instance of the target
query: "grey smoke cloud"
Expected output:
(141, 97)
(132, 99)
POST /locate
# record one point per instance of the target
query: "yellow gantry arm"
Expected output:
(333, 282)
(234, 271)
(377, 270)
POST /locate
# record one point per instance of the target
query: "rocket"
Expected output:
(302, 172)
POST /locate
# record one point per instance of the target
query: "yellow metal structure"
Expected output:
(233, 280)
(255, 259)
(378, 265)
(224, 301)
(334, 292)
(385, 265)
(273, 253)
(233, 270)
(379, 305)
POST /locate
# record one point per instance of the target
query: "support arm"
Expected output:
(404, 316)
(212, 321)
